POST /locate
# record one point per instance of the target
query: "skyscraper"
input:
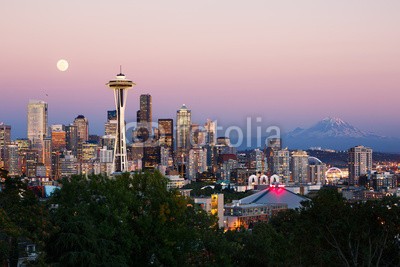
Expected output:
(316, 171)
(72, 138)
(360, 163)
(183, 124)
(82, 127)
(274, 144)
(12, 160)
(110, 127)
(211, 129)
(120, 87)
(146, 114)
(5, 140)
(47, 151)
(299, 166)
(58, 138)
(144, 129)
(37, 120)
(166, 133)
(111, 115)
(197, 162)
(281, 163)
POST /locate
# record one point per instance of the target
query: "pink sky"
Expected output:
(291, 62)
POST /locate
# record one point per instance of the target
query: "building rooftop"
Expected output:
(275, 195)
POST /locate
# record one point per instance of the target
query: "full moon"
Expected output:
(62, 65)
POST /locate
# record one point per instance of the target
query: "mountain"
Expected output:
(331, 127)
(337, 134)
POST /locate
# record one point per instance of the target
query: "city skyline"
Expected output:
(200, 133)
(290, 63)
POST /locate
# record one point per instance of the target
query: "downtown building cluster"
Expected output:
(186, 149)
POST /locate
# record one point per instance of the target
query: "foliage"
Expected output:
(205, 189)
(127, 221)
(22, 218)
(135, 221)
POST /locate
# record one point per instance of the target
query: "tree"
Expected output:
(22, 217)
(128, 220)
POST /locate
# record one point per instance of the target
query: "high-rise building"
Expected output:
(72, 138)
(120, 87)
(211, 130)
(197, 162)
(299, 166)
(316, 171)
(183, 124)
(257, 160)
(360, 163)
(198, 135)
(110, 127)
(58, 137)
(5, 140)
(24, 145)
(37, 120)
(111, 115)
(166, 133)
(166, 158)
(47, 152)
(82, 127)
(108, 141)
(12, 160)
(146, 114)
(144, 130)
(281, 164)
(151, 157)
(31, 161)
(274, 144)
(89, 152)
(105, 155)
(68, 164)
(55, 164)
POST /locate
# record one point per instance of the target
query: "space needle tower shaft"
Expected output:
(120, 86)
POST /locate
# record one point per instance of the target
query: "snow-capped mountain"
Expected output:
(337, 134)
(330, 127)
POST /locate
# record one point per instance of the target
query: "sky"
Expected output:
(292, 63)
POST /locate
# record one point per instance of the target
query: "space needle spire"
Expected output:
(120, 86)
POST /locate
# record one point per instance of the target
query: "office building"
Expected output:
(166, 133)
(299, 167)
(82, 126)
(47, 152)
(12, 160)
(316, 171)
(37, 121)
(197, 162)
(58, 139)
(183, 124)
(360, 163)
(5, 140)
(111, 115)
(281, 164)
(211, 132)
(71, 132)
(145, 114)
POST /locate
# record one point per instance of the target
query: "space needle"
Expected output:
(120, 86)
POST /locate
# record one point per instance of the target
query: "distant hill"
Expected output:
(337, 134)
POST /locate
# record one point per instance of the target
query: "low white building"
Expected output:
(175, 181)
